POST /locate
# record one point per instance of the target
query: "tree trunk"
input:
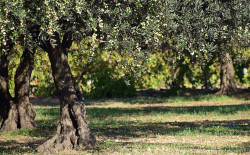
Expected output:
(22, 84)
(4, 106)
(9, 114)
(4, 103)
(16, 112)
(228, 85)
(72, 131)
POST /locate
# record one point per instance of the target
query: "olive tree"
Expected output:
(16, 111)
(209, 28)
(128, 26)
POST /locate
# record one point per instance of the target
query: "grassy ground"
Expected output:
(148, 125)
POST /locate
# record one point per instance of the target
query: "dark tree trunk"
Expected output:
(9, 114)
(4, 107)
(72, 131)
(22, 84)
(16, 112)
(228, 85)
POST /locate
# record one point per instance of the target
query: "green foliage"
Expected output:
(155, 72)
(242, 72)
(99, 75)
(208, 27)
(41, 83)
(107, 87)
(13, 64)
(103, 77)
(114, 39)
(242, 68)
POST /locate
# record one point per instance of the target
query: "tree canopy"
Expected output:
(197, 26)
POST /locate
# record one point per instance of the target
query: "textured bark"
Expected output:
(4, 77)
(10, 121)
(228, 85)
(72, 131)
(22, 84)
(9, 114)
(16, 112)
(4, 106)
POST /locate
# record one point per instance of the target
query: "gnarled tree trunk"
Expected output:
(228, 85)
(16, 112)
(72, 131)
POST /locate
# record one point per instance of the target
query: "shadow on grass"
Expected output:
(54, 113)
(130, 128)
(41, 101)
(155, 96)
(112, 127)
(224, 109)
(219, 128)
(46, 128)
(15, 147)
(165, 96)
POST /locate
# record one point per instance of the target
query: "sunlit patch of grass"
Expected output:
(24, 133)
(177, 147)
(47, 116)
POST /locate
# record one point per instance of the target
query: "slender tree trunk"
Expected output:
(16, 112)
(72, 131)
(228, 85)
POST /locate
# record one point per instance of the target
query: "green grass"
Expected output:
(173, 125)
(159, 148)
(181, 99)
(170, 99)
(191, 110)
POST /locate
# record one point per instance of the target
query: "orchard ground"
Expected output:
(148, 124)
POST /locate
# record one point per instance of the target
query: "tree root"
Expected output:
(72, 132)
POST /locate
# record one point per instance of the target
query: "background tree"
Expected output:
(207, 27)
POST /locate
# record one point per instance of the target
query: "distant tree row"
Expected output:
(102, 75)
